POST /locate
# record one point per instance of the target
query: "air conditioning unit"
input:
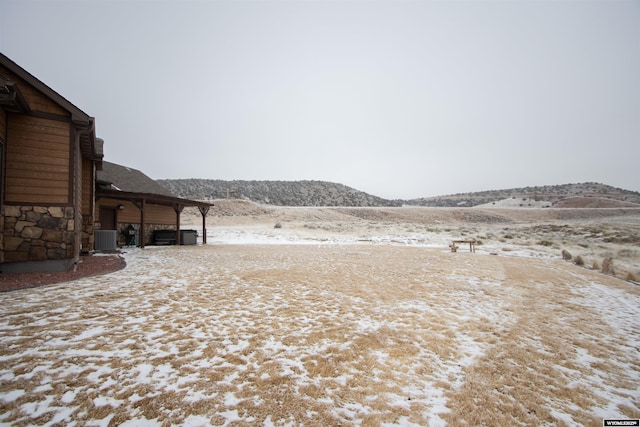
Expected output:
(105, 240)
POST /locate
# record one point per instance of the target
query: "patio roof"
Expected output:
(160, 199)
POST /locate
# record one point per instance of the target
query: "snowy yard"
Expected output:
(322, 334)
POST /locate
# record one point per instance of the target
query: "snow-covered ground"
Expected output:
(374, 326)
(266, 234)
(589, 235)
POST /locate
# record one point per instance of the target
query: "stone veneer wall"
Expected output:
(87, 234)
(37, 233)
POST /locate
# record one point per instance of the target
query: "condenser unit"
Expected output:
(105, 240)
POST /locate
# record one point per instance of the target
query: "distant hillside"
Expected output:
(571, 195)
(278, 193)
(322, 193)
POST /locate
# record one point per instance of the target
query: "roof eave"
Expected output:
(149, 197)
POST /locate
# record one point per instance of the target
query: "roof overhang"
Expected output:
(175, 202)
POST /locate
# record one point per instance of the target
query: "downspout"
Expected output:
(77, 201)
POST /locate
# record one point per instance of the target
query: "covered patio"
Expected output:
(150, 207)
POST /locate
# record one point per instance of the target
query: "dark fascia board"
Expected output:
(76, 113)
(151, 198)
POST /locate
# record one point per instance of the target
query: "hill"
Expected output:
(323, 193)
(589, 194)
(278, 193)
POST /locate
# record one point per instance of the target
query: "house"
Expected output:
(49, 155)
(128, 201)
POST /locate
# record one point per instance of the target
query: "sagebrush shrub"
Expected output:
(607, 266)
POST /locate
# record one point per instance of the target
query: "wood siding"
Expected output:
(38, 160)
(3, 125)
(36, 100)
(157, 214)
(153, 214)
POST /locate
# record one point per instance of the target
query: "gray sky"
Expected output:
(400, 99)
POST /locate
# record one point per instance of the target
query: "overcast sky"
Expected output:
(400, 99)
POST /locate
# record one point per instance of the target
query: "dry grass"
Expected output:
(592, 234)
(321, 335)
